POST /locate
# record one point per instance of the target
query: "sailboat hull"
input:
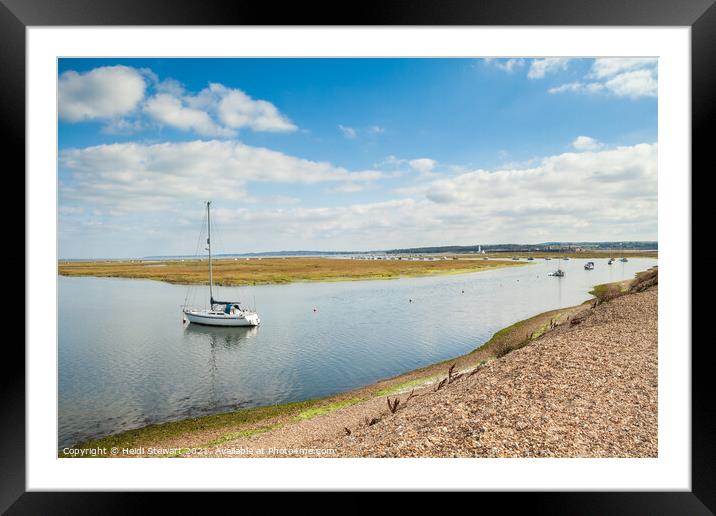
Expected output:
(207, 318)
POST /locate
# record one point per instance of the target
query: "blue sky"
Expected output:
(342, 154)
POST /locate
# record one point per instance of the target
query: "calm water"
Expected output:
(126, 359)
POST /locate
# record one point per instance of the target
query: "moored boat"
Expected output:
(219, 313)
(236, 316)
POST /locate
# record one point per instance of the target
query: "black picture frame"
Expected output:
(700, 15)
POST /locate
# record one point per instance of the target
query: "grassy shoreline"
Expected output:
(267, 271)
(173, 438)
(271, 271)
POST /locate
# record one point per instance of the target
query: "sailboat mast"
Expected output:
(208, 241)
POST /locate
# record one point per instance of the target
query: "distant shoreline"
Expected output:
(236, 272)
(499, 254)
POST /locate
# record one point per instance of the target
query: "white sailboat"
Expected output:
(220, 313)
(559, 272)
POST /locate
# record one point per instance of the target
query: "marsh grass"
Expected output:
(230, 272)
(642, 280)
(325, 409)
(404, 386)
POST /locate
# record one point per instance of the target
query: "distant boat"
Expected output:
(559, 273)
(611, 261)
(220, 313)
(530, 258)
(624, 260)
(565, 258)
(547, 258)
(589, 266)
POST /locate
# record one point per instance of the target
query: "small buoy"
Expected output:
(410, 300)
(315, 310)
(463, 291)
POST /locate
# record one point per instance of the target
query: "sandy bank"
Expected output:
(586, 388)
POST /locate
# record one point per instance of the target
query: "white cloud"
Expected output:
(422, 165)
(419, 164)
(538, 67)
(578, 87)
(610, 66)
(357, 226)
(619, 76)
(348, 131)
(215, 111)
(351, 133)
(102, 93)
(586, 143)
(635, 84)
(392, 161)
(604, 195)
(134, 176)
(116, 91)
(237, 110)
(576, 184)
(349, 188)
(170, 86)
(623, 77)
(122, 126)
(169, 110)
(506, 65)
(597, 195)
(541, 67)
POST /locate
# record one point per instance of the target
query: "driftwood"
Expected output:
(393, 406)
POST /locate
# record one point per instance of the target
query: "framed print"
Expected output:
(417, 248)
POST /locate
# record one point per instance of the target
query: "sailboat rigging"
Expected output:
(220, 313)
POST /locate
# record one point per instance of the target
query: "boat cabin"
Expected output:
(232, 309)
(226, 307)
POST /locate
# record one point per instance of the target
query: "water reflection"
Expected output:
(217, 335)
